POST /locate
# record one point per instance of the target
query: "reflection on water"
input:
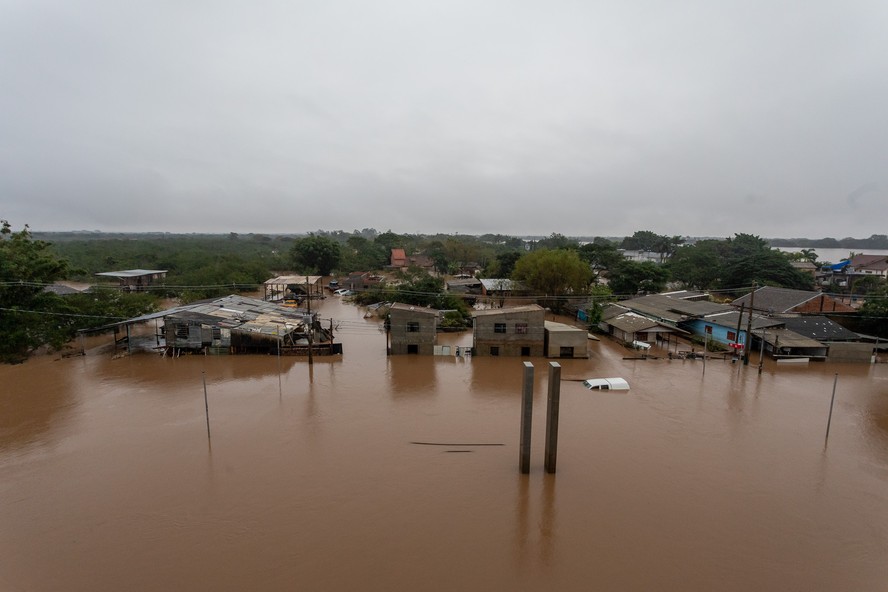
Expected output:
(687, 482)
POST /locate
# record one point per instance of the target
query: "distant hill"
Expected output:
(876, 241)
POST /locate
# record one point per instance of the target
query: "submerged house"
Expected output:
(135, 280)
(517, 331)
(412, 329)
(237, 325)
(293, 287)
(565, 341)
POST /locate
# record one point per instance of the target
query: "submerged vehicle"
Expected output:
(606, 384)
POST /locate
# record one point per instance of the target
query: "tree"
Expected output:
(553, 274)
(504, 264)
(697, 266)
(315, 254)
(557, 241)
(600, 255)
(359, 253)
(747, 258)
(633, 277)
(26, 266)
(599, 295)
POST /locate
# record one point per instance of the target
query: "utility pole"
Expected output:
(310, 321)
(749, 325)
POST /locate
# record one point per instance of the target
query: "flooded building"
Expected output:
(288, 288)
(517, 331)
(565, 341)
(412, 329)
(629, 327)
(237, 324)
(135, 280)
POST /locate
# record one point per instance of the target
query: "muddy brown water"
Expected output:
(310, 481)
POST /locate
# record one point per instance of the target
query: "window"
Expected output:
(412, 327)
(521, 328)
(525, 350)
(566, 352)
(732, 336)
(499, 327)
(412, 348)
(182, 331)
(494, 350)
(709, 329)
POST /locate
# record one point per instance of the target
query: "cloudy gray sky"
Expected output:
(698, 117)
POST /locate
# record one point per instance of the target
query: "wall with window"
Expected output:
(510, 332)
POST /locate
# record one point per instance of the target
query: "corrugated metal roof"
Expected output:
(788, 338)
(631, 322)
(776, 300)
(672, 309)
(820, 328)
(293, 279)
(130, 273)
(511, 310)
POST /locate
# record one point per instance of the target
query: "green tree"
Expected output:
(553, 274)
(26, 319)
(557, 241)
(633, 277)
(504, 264)
(697, 266)
(317, 254)
(599, 295)
(747, 258)
(600, 255)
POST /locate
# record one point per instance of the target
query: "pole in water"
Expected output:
(526, 419)
(552, 416)
(762, 352)
(280, 387)
(831, 402)
(705, 349)
(206, 403)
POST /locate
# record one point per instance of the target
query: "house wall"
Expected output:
(577, 340)
(185, 334)
(510, 343)
(719, 333)
(424, 338)
(850, 352)
(823, 303)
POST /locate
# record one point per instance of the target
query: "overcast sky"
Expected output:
(691, 117)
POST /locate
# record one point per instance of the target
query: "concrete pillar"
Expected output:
(553, 404)
(526, 419)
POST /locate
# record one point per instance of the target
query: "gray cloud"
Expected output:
(583, 118)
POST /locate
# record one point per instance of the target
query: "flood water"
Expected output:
(310, 481)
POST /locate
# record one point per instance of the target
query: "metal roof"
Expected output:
(293, 279)
(820, 328)
(631, 322)
(131, 273)
(413, 308)
(513, 309)
(672, 309)
(248, 314)
(787, 338)
(732, 318)
(500, 284)
(776, 300)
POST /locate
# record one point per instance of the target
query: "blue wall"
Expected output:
(719, 332)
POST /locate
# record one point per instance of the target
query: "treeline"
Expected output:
(876, 241)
